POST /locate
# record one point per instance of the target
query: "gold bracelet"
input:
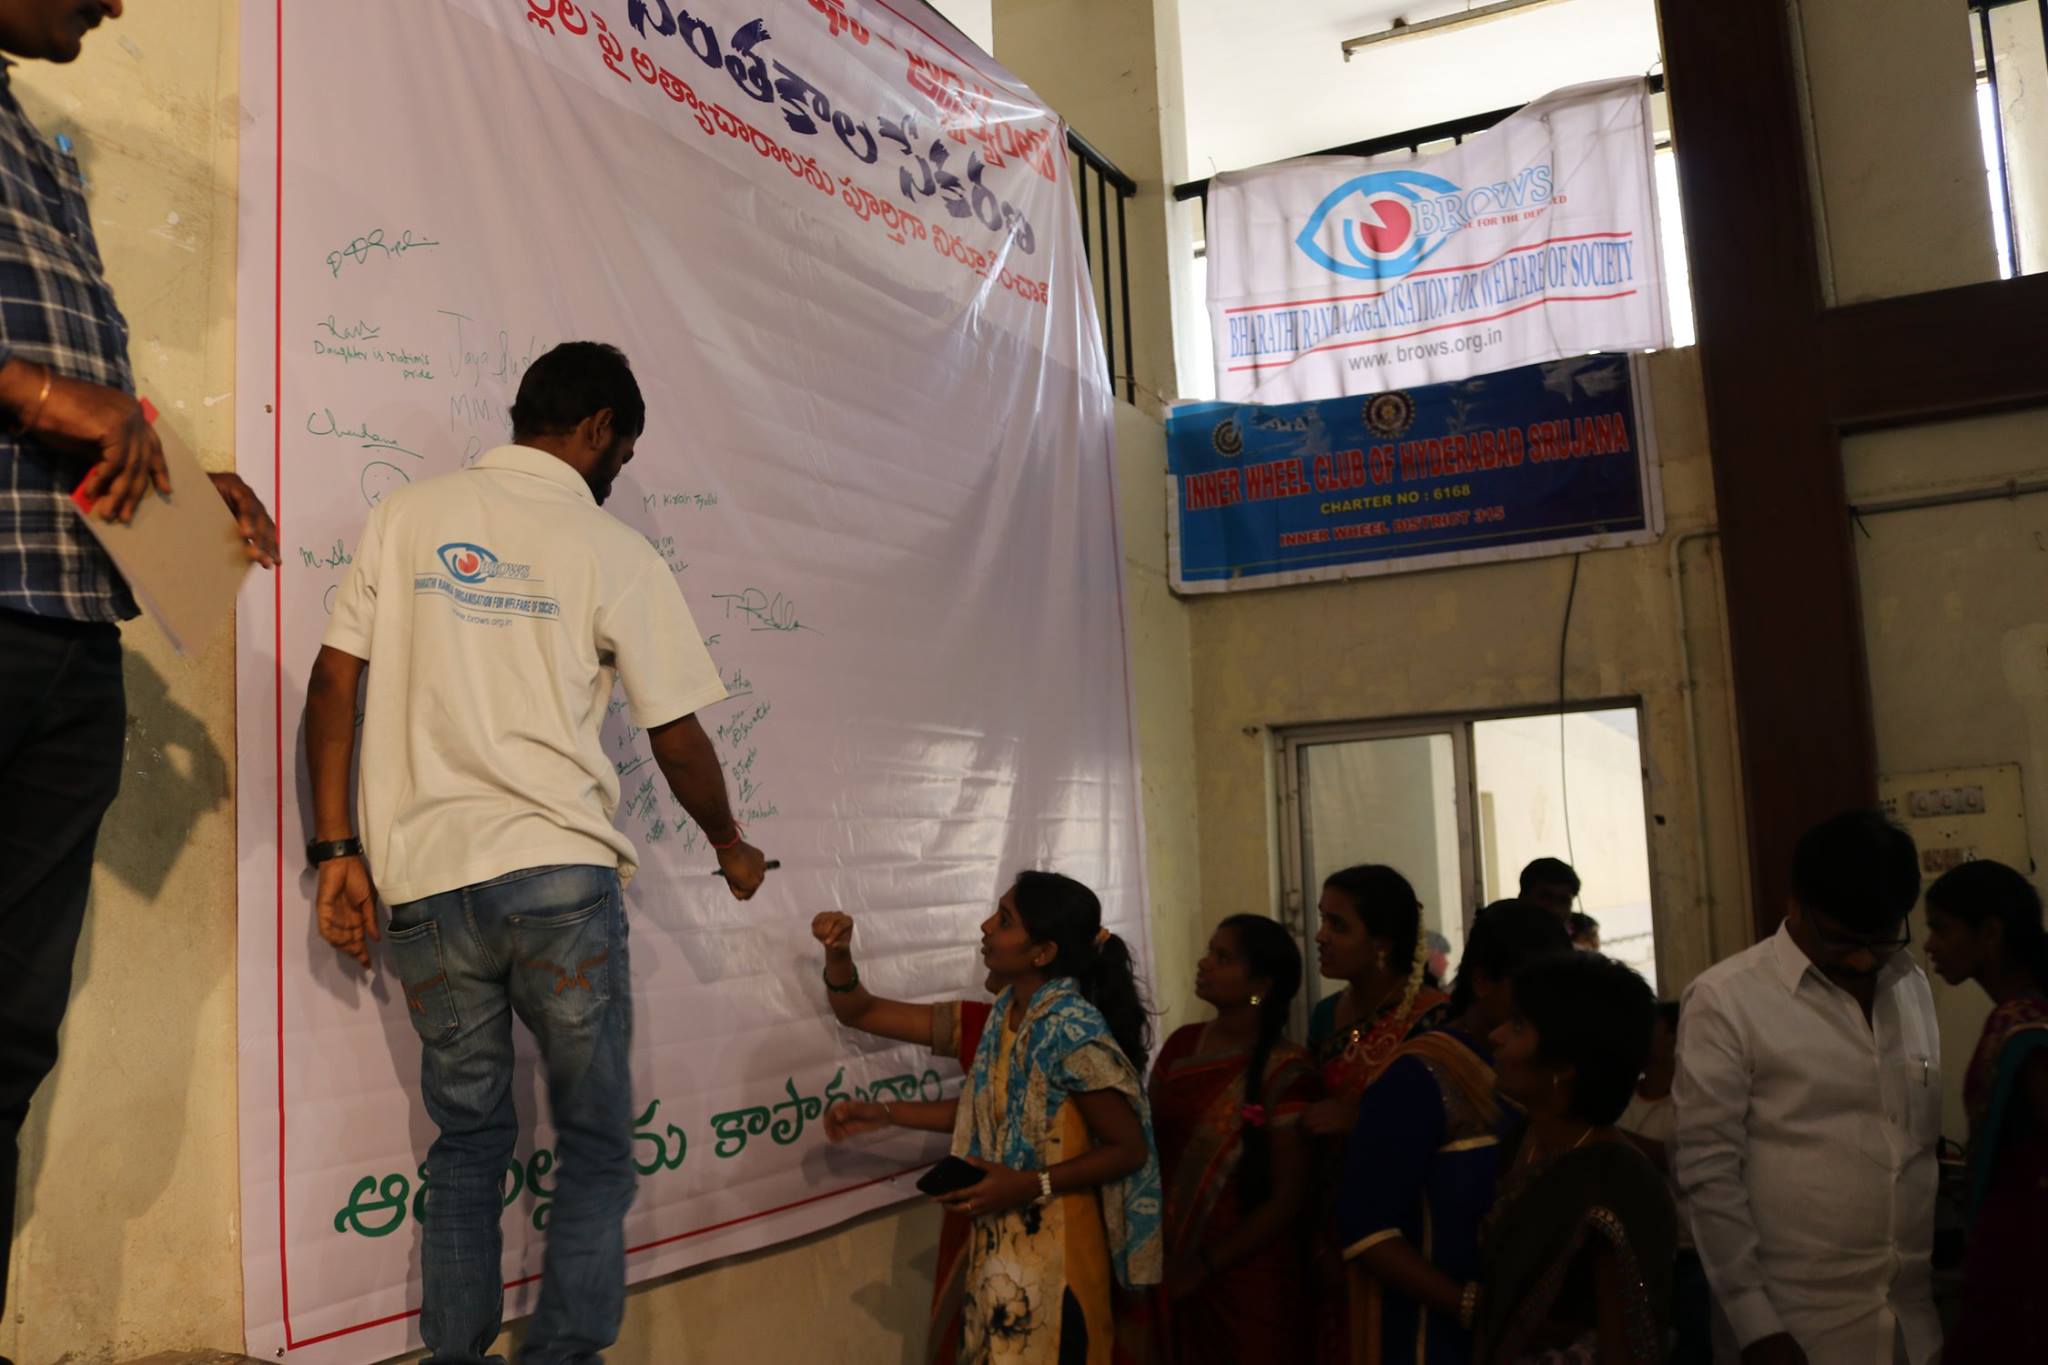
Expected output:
(49, 378)
(1468, 1305)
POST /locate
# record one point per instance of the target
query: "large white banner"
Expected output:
(839, 246)
(1533, 241)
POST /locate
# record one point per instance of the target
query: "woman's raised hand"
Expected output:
(851, 1118)
(835, 931)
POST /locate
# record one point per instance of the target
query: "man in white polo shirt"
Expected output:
(497, 605)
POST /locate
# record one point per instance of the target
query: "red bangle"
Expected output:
(737, 834)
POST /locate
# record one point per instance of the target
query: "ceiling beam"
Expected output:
(1940, 355)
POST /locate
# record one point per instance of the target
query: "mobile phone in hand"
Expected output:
(948, 1176)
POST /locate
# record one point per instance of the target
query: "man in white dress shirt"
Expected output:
(1809, 1107)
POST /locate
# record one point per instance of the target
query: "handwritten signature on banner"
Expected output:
(924, 166)
(653, 809)
(762, 610)
(323, 423)
(366, 248)
(378, 1208)
(336, 558)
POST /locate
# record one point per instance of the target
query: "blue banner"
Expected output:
(1530, 461)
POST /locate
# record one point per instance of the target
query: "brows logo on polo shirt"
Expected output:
(469, 563)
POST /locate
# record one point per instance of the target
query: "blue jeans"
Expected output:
(549, 944)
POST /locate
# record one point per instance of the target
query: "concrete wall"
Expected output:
(1484, 638)
(1957, 630)
(1162, 678)
(1111, 70)
(1955, 626)
(1897, 171)
(975, 18)
(128, 1237)
(2020, 44)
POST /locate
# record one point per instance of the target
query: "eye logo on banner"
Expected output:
(469, 563)
(1372, 227)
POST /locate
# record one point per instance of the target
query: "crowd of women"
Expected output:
(1434, 1179)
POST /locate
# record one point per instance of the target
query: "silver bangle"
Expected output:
(1045, 1187)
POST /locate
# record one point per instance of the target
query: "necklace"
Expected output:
(1529, 1150)
(1372, 1015)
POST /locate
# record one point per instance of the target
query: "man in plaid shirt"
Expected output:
(67, 411)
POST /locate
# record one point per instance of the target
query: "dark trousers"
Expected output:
(63, 717)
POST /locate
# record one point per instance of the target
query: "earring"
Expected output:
(1258, 1000)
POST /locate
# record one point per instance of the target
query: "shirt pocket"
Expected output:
(1919, 1090)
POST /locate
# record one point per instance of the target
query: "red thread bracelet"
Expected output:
(738, 834)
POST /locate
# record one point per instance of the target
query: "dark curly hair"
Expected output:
(575, 380)
(1386, 905)
(1982, 890)
(1061, 911)
(1859, 869)
(1596, 1016)
(1504, 935)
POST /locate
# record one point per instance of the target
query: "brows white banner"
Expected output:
(1533, 241)
(842, 254)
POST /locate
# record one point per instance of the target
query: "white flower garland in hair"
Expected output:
(1417, 969)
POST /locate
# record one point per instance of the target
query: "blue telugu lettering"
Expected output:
(807, 110)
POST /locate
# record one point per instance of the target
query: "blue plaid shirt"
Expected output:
(57, 310)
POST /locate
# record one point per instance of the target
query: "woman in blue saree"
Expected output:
(1425, 1156)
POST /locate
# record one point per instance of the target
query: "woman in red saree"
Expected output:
(1370, 937)
(1236, 1163)
(1984, 925)
(951, 1029)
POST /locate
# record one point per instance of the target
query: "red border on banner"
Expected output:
(292, 1343)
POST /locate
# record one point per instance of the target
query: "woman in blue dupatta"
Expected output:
(1425, 1155)
(1984, 925)
(1055, 1115)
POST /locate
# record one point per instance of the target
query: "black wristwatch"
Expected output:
(319, 851)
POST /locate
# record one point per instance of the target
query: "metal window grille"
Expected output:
(1096, 178)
